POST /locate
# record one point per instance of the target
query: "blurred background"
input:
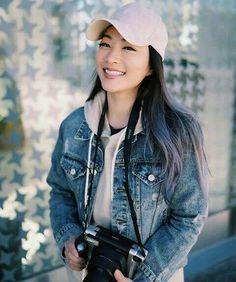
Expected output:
(46, 67)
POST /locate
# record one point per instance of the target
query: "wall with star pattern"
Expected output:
(46, 67)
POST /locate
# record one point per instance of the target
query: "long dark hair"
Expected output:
(170, 128)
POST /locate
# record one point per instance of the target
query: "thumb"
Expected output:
(71, 248)
(119, 275)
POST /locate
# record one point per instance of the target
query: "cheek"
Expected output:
(140, 71)
(139, 63)
(98, 58)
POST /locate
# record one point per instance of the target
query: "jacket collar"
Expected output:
(84, 132)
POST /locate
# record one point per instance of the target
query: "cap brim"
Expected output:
(96, 29)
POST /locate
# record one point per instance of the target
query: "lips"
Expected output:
(113, 73)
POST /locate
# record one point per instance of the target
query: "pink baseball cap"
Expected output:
(139, 25)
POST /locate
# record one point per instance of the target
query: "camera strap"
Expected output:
(133, 119)
(99, 133)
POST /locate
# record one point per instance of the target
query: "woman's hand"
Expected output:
(72, 257)
(120, 277)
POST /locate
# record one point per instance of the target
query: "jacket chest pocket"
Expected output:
(148, 176)
(74, 169)
(148, 196)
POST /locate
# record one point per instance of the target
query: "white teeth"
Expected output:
(118, 73)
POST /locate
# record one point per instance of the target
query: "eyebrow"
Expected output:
(110, 37)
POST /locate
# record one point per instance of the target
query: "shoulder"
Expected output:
(74, 117)
(71, 124)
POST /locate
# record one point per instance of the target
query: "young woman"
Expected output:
(163, 167)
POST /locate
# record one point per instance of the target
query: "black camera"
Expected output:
(110, 251)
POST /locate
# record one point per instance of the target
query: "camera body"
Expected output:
(110, 251)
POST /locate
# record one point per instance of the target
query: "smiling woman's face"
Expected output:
(120, 65)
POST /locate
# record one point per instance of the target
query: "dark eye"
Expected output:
(104, 44)
(129, 48)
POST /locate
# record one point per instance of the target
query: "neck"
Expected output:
(119, 108)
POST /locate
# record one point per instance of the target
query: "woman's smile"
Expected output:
(112, 73)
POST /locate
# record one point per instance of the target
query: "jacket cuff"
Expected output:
(144, 273)
(65, 233)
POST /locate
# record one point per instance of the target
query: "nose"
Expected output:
(113, 56)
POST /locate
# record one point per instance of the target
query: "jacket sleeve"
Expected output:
(62, 204)
(169, 246)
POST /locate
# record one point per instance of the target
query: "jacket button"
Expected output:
(72, 171)
(151, 177)
(155, 197)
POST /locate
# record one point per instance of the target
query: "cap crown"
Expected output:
(137, 23)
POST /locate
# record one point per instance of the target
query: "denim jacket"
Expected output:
(168, 231)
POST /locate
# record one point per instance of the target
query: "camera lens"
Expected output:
(98, 275)
(101, 268)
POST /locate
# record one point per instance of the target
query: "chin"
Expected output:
(111, 89)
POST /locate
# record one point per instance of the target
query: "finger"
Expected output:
(120, 277)
(79, 265)
(75, 261)
(72, 250)
(71, 257)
